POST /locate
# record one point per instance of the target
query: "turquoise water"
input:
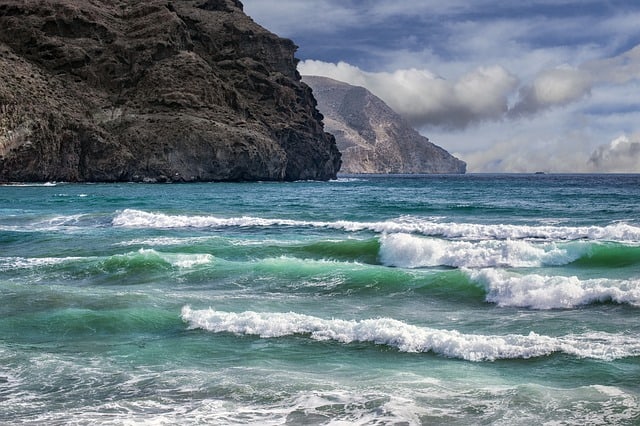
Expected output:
(475, 299)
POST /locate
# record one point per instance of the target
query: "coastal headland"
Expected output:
(153, 91)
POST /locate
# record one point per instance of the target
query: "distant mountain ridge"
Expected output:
(372, 137)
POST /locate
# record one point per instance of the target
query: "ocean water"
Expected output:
(474, 299)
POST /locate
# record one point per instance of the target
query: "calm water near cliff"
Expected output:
(476, 299)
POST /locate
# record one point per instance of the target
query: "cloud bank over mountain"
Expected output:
(506, 87)
(424, 98)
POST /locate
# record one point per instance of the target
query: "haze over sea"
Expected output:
(467, 299)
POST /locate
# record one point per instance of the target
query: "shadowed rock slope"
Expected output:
(372, 137)
(154, 90)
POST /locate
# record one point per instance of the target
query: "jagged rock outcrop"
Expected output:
(154, 90)
(372, 137)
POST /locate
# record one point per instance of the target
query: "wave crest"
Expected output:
(410, 338)
(149, 257)
(131, 218)
(553, 292)
(409, 251)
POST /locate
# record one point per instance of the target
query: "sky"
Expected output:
(507, 86)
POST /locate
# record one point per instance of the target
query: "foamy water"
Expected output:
(411, 338)
(373, 300)
(409, 251)
(554, 292)
(616, 232)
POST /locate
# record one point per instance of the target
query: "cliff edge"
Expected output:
(372, 137)
(155, 90)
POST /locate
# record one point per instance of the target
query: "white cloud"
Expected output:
(621, 155)
(560, 141)
(508, 87)
(426, 99)
(556, 123)
(619, 69)
(552, 141)
(528, 154)
(558, 86)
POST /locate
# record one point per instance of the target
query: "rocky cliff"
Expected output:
(372, 137)
(154, 90)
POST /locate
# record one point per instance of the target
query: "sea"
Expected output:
(368, 300)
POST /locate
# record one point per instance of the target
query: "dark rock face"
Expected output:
(154, 90)
(372, 137)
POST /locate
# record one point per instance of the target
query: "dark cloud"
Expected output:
(359, 32)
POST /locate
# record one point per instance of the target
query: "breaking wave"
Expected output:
(143, 259)
(410, 251)
(411, 338)
(553, 292)
(12, 263)
(131, 218)
(149, 258)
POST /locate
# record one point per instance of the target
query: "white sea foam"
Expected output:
(302, 398)
(410, 338)
(189, 260)
(140, 219)
(357, 406)
(9, 263)
(342, 407)
(180, 260)
(347, 180)
(553, 292)
(339, 407)
(410, 251)
(49, 224)
(59, 221)
(163, 241)
(179, 241)
(407, 224)
(22, 184)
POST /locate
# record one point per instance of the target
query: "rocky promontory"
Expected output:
(154, 90)
(372, 137)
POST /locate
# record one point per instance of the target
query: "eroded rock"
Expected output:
(122, 90)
